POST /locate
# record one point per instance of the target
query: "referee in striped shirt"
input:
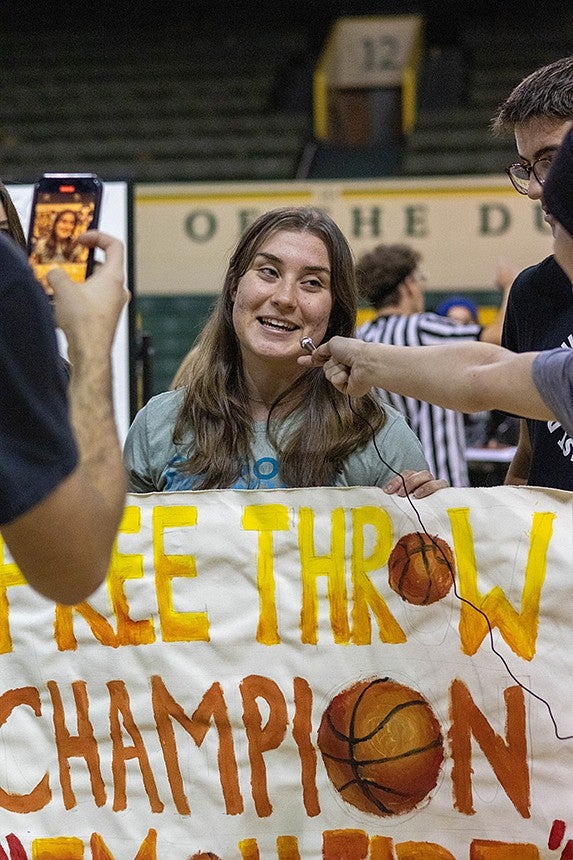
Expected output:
(390, 279)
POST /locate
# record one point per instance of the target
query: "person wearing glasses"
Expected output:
(472, 376)
(539, 316)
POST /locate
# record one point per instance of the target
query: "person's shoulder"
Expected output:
(366, 327)
(152, 427)
(397, 438)
(394, 418)
(547, 275)
(171, 399)
(552, 373)
(392, 414)
(162, 407)
(430, 321)
(558, 360)
(432, 318)
(394, 427)
(548, 264)
(372, 329)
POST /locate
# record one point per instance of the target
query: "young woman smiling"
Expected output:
(245, 413)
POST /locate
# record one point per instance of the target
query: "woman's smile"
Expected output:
(278, 325)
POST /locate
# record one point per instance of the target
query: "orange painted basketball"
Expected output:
(382, 746)
(421, 568)
(204, 855)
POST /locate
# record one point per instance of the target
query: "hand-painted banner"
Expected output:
(462, 225)
(325, 673)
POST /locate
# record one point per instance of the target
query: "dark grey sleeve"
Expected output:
(552, 373)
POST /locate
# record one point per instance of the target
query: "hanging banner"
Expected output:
(316, 673)
(462, 226)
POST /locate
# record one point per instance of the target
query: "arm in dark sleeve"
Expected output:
(38, 448)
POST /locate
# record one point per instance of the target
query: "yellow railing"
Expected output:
(325, 79)
(321, 81)
(410, 81)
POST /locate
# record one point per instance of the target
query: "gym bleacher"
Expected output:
(223, 91)
(173, 104)
(464, 84)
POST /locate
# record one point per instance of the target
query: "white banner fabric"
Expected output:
(313, 673)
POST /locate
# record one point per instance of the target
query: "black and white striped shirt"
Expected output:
(441, 431)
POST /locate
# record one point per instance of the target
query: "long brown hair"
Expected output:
(321, 429)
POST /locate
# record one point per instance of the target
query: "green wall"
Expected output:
(175, 321)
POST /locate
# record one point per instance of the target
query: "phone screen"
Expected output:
(63, 207)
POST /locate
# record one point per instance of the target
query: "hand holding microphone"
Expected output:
(345, 363)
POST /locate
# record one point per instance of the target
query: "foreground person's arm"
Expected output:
(63, 544)
(466, 377)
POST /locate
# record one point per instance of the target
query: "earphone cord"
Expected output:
(456, 593)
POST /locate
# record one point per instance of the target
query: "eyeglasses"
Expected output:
(520, 174)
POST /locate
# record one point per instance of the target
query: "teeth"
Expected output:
(277, 324)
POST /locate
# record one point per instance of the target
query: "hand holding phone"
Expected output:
(63, 207)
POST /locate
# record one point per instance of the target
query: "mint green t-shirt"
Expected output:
(151, 457)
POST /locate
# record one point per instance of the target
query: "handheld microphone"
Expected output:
(307, 344)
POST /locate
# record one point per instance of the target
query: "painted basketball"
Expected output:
(382, 746)
(421, 568)
(204, 855)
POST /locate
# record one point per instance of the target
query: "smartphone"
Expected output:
(63, 206)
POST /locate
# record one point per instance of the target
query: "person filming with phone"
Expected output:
(62, 483)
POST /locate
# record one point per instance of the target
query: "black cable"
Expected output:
(456, 593)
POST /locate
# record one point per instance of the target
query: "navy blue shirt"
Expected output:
(540, 316)
(37, 448)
